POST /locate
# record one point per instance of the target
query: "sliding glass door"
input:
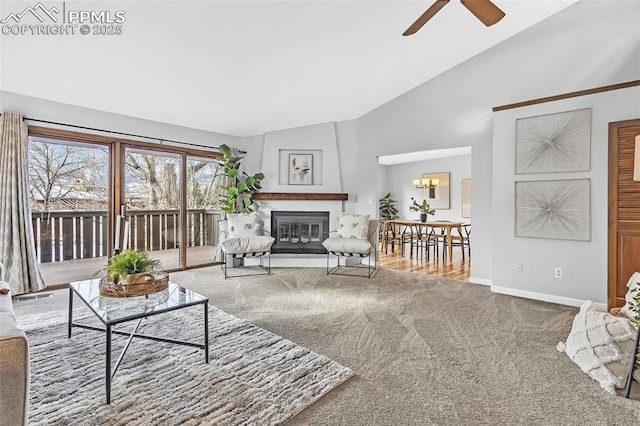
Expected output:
(81, 184)
(69, 191)
(152, 197)
(204, 177)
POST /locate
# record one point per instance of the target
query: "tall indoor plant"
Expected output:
(388, 210)
(237, 196)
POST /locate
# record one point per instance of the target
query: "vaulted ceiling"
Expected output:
(248, 67)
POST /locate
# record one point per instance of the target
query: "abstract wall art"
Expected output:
(551, 143)
(300, 169)
(556, 209)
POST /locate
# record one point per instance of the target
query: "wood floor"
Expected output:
(458, 269)
(62, 272)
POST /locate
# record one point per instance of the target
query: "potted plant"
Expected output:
(424, 209)
(237, 196)
(388, 210)
(129, 266)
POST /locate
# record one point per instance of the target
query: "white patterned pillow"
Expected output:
(602, 345)
(353, 226)
(244, 225)
(634, 287)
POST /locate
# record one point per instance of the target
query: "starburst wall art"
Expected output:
(553, 143)
(557, 209)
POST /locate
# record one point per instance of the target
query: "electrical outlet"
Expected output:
(558, 273)
(518, 268)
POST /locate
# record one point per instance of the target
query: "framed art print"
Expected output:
(300, 169)
(556, 209)
(553, 143)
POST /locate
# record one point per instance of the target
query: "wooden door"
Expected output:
(624, 210)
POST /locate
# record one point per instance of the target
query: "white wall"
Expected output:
(334, 149)
(69, 114)
(589, 44)
(318, 139)
(399, 177)
(584, 263)
(347, 138)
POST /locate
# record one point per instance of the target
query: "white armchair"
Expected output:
(245, 238)
(356, 237)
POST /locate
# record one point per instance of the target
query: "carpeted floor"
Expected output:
(425, 350)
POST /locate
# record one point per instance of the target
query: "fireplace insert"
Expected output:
(299, 232)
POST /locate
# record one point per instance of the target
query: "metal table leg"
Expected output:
(70, 312)
(206, 333)
(108, 366)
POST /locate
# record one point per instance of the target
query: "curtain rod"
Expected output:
(122, 133)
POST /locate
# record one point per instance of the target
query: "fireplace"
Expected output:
(299, 232)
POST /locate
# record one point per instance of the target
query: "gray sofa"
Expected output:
(14, 365)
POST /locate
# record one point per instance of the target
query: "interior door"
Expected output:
(624, 210)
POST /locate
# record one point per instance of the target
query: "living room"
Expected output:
(582, 47)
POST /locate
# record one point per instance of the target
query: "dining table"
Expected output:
(418, 225)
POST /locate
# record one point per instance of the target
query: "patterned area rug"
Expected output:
(253, 376)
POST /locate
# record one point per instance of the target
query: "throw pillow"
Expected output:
(633, 286)
(602, 345)
(353, 226)
(244, 225)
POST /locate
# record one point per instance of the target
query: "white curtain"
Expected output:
(17, 247)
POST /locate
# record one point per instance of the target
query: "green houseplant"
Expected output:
(424, 208)
(388, 210)
(237, 196)
(128, 263)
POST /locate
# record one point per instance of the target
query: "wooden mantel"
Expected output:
(301, 196)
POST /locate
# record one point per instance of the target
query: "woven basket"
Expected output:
(134, 285)
(615, 311)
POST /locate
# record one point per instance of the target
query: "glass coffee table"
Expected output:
(112, 311)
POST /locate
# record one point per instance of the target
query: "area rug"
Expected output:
(254, 377)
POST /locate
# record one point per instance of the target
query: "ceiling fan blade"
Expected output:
(484, 10)
(428, 14)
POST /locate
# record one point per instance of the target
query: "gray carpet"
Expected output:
(253, 377)
(424, 350)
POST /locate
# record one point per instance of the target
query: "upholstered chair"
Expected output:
(356, 237)
(244, 238)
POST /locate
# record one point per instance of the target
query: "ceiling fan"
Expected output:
(484, 10)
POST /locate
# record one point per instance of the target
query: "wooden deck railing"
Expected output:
(72, 235)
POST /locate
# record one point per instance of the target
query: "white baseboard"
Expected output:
(481, 281)
(560, 300)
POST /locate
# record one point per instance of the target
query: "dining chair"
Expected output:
(461, 238)
(425, 238)
(395, 235)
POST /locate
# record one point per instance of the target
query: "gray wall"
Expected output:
(589, 44)
(584, 264)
